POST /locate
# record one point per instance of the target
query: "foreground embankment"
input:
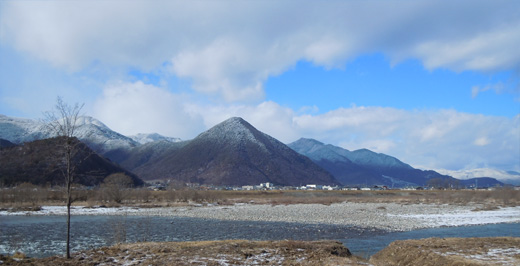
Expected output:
(450, 251)
(431, 251)
(384, 216)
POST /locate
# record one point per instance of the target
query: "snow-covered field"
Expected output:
(386, 216)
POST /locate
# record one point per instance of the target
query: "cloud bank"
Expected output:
(229, 49)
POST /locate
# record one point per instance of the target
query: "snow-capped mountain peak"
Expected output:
(143, 138)
(89, 130)
(88, 120)
(234, 130)
(100, 137)
(20, 130)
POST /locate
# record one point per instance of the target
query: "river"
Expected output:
(41, 236)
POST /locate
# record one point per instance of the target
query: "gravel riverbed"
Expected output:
(385, 216)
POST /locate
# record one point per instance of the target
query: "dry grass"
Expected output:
(451, 252)
(12, 198)
(427, 252)
(228, 252)
(490, 199)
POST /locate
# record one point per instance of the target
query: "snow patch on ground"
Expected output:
(76, 210)
(468, 217)
(495, 256)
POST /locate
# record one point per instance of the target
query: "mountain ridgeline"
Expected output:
(364, 167)
(235, 153)
(232, 153)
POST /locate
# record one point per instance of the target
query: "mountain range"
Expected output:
(364, 167)
(233, 153)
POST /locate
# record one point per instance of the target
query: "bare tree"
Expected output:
(62, 122)
(115, 187)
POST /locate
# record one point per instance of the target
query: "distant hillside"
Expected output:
(36, 162)
(334, 161)
(235, 153)
(482, 182)
(142, 156)
(363, 167)
(142, 138)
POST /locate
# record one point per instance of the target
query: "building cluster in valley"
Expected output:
(307, 187)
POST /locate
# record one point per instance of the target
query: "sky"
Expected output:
(433, 83)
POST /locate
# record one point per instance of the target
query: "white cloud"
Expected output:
(476, 90)
(131, 108)
(228, 49)
(486, 51)
(482, 141)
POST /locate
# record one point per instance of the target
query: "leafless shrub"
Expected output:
(144, 194)
(116, 187)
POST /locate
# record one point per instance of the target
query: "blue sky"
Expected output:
(434, 84)
(370, 80)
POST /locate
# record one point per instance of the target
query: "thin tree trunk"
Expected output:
(69, 196)
(68, 222)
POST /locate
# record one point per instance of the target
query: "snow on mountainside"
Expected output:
(235, 153)
(90, 130)
(317, 150)
(143, 138)
(233, 131)
(508, 177)
(370, 158)
(100, 137)
(20, 130)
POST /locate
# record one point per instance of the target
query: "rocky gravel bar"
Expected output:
(384, 216)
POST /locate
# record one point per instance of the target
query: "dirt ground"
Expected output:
(228, 252)
(451, 251)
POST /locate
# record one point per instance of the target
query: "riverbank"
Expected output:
(227, 252)
(430, 251)
(383, 216)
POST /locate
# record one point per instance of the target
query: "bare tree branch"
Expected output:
(62, 122)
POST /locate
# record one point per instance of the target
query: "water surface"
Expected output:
(41, 236)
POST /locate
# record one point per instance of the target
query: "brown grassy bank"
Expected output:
(427, 252)
(29, 196)
(229, 252)
(451, 252)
